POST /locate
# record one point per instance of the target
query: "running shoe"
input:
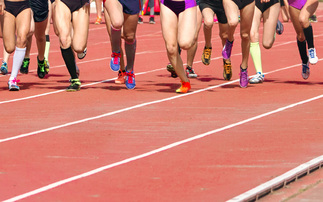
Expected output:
(25, 66)
(171, 69)
(258, 78)
(121, 77)
(98, 20)
(151, 20)
(115, 61)
(4, 68)
(206, 56)
(279, 28)
(46, 66)
(305, 71)
(185, 87)
(226, 52)
(130, 80)
(243, 78)
(83, 54)
(75, 85)
(313, 18)
(41, 69)
(190, 72)
(312, 56)
(227, 70)
(12, 85)
(77, 73)
(140, 20)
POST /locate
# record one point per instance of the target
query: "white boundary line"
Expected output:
(164, 148)
(279, 181)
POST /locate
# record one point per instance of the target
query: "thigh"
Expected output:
(115, 11)
(169, 26)
(9, 31)
(208, 16)
(187, 26)
(246, 16)
(254, 32)
(130, 27)
(62, 19)
(80, 22)
(231, 11)
(23, 26)
(270, 18)
(294, 16)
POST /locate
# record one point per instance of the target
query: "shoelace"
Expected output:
(14, 81)
(25, 63)
(130, 76)
(311, 53)
(244, 75)
(116, 57)
(207, 53)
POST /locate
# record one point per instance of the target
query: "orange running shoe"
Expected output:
(98, 20)
(186, 86)
(121, 77)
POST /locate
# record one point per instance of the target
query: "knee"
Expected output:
(21, 41)
(172, 49)
(233, 23)
(186, 44)
(303, 21)
(267, 44)
(65, 41)
(9, 49)
(245, 36)
(129, 38)
(208, 24)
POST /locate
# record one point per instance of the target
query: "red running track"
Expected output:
(107, 143)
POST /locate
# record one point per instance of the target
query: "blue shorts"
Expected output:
(130, 7)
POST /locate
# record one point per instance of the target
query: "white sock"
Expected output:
(18, 58)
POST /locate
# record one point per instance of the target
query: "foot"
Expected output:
(312, 56)
(206, 56)
(140, 20)
(258, 78)
(279, 28)
(4, 68)
(98, 20)
(25, 66)
(12, 85)
(190, 72)
(305, 71)
(130, 80)
(115, 61)
(46, 66)
(185, 87)
(171, 69)
(243, 78)
(227, 70)
(41, 69)
(121, 77)
(75, 85)
(83, 54)
(151, 20)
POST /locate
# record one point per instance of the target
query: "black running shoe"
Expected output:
(24, 66)
(41, 69)
(171, 69)
(75, 85)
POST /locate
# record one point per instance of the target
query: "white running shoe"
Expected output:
(258, 78)
(82, 55)
(312, 56)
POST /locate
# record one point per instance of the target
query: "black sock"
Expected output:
(302, 51)
(308, 32)
(69, 59)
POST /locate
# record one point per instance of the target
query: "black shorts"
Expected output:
(242, 3)
(282, 3)
(217, 8)
(264, 6)
(52, 1)
(40, 9)
(16, 7)
(75, 5)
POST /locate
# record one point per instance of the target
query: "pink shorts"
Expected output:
(298, 4)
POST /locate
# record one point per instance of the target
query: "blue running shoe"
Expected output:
(4, 68)
(305, 71)
(115, 61)
(130, 80)
(279, 28)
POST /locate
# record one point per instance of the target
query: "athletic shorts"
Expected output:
(264, 6)
(197, 2)
(217, 8)
(75, 5)
(242, 3)
(52, 1)
(282, 3)
(130, 7)
(40, 9)
(178, 6)
(297, 3)
(16, 7)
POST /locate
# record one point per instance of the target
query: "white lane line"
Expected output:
(278, 181)
(161, 149)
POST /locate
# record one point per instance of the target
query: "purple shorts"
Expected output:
(298, 4)
(178, 6)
